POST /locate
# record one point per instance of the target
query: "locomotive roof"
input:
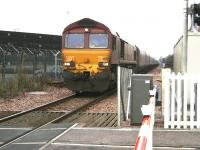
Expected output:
(86, 22)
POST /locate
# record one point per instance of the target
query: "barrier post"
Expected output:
(144, 140)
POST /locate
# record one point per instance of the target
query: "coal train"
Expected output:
(91, 54)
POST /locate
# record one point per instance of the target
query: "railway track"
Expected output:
(85, 106)
(59, 119)
(59, 83)
(18, 114)
(93, 119)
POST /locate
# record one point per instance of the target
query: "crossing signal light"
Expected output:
(196, 13)
(197, 20)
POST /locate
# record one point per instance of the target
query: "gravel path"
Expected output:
(70, 105)
(30, 100)
(109, 105)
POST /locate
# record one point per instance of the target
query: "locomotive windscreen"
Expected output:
(74, 41)
(98, 40)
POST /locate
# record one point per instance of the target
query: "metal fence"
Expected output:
(182, 101)
(123, 93)
(29, 61)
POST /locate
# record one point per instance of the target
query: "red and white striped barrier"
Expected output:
(144, 139)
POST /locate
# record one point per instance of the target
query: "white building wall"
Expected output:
(193, 56)
(193, 53)
(178, 56)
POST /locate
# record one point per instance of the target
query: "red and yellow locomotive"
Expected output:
(90, 54)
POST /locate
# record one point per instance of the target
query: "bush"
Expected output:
(12, 87)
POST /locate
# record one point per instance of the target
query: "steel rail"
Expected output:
(85, 106)
(60, 118)
(37, 108)
(28, 132)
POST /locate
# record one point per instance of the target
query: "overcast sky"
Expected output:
(153, 25)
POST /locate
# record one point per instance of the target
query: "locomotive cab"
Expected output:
(86, 52)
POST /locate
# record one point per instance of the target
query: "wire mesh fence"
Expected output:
(30, 62)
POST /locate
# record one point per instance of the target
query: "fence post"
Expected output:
(185, 99)
(118, 95)
(129, 97)
(172, 99)
(167, 100)
(179, 104)
(165, 73)
(56, 64)
(21, 62)
(4, 66)
(192, 102)
(198, 103)
(45, 62)
(35, 62)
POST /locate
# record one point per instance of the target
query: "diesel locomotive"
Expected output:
(91, 54)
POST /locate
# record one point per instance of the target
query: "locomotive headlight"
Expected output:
(67, 64)
(86, 29)
(103, 64)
